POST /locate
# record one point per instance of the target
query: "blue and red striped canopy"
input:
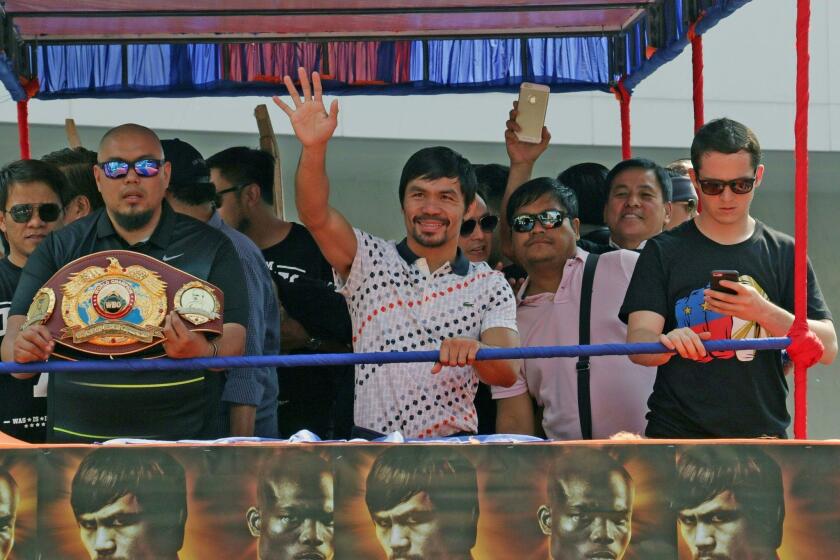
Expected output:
(184, 48)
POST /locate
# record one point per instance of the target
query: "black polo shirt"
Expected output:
(95, 406)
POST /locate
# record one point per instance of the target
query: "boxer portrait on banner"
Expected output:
(130, 504)
(293, 517)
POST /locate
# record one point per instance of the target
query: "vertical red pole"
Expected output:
(23, 128)
(624, 106)
(800, 274)
(697, 75)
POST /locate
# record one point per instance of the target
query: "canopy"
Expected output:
(186, 48)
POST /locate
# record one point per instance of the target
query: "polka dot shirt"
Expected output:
(397, 304)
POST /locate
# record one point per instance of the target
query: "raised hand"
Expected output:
(312, 124)
(519, 151)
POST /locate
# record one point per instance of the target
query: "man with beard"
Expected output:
(130, 504)
(590, 506)
(730, 503)
(9, 499)
(293, 518)
(93, 406)
(419, 294)
(424, 503)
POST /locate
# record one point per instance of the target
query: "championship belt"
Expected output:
(113, 303)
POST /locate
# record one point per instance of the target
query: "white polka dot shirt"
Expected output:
(397, 304)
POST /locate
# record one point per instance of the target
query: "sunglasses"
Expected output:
(488, 225)
(713, 187)
(117, 168)
(218, 200)
(550, 219)
(22, 213)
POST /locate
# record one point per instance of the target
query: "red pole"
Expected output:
(697, 75)
(624, 106)
(800, 275)
(23, 128)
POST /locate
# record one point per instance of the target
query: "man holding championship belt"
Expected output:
(131, 279)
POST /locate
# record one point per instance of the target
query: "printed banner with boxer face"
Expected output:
(622, 500)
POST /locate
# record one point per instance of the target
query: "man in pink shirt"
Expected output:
(542, 215)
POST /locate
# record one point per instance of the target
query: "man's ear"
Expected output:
(3, 222)
(575, 227)
(79, 207)
(544, 519)
(252, 518)
(759, 174)
(251, 194)
(669, 206)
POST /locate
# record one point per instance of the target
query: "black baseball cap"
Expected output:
(189, 180)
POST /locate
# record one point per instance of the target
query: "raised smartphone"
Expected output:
(533, 103)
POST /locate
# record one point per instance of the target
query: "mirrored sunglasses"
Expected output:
(117, 168)
(550, 219)
(47, 212)
(713, 187)
(487, 223)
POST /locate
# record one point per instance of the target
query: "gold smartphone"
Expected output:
(533, 104)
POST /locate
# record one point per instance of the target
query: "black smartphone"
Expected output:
(718, 275)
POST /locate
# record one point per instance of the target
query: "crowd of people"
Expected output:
(492, 258)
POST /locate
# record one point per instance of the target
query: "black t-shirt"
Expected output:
(306, 286)
(22, 415)
(730, 394)
(94, 406)
(319, 399)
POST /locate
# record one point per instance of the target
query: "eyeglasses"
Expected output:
(22, 213)
(488, 225)
(713, 187)
(218, 201)
(116, 168)
(550, 219)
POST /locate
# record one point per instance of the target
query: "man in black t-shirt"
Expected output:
(32, 196)
(314, 317)
(722, 394)
(94, 406)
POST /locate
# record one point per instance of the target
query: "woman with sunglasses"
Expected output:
(31, 193)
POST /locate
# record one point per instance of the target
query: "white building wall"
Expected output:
(749, 75)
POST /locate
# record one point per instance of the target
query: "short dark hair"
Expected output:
(535, 189)
(662, 176)
(151, 475)
(436, 163)
(77, 165)
(589, 181)
(242, 166)
(445, 475)
(753, 477)
(492, 178)
(31, 171)
(727, 137)
(582, 463)
(303, 467)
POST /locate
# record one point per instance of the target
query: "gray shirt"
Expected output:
(254, 386)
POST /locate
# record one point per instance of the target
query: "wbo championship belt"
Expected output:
(113, 303)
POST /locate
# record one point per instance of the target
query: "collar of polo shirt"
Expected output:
(460, 266)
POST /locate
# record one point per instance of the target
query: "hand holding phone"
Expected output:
(718, 275)
(532, 106)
